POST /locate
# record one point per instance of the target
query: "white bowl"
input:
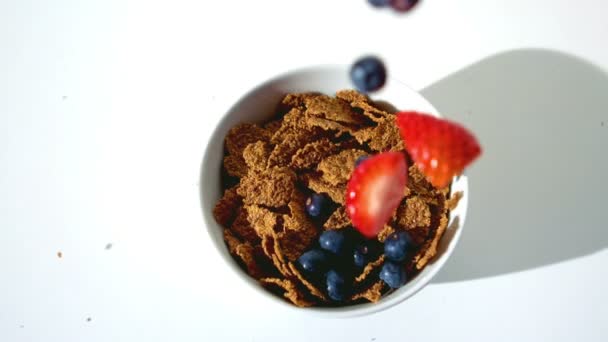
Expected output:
(258, 106)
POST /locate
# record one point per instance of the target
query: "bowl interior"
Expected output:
(258, 106)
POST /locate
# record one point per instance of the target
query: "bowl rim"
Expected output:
(253, 285)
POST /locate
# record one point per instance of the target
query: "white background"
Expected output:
(105, 110)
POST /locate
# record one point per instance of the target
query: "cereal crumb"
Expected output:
(59, 255)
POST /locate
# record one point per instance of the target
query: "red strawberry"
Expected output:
(440, 148)
(375, 190)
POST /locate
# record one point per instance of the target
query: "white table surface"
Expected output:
(106, 107)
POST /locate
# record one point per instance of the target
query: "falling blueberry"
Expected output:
(332, 241)
(360, 160)
(393, 274)
(313, 261)
(403, 5)
(368, 74)
(336, 285)
(379, 3)
(397, 245)
(315, 204)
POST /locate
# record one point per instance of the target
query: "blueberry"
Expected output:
(393, 274)
(360, 160)
(396, 246)
(336, 286)
(368, 74)
(332, 240)
(403, 5)
(379, 3)
(361, 254)
(315, 204)
(313, 261)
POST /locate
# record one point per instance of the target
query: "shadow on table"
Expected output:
(538, 194)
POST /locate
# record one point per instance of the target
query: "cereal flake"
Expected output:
(242, 135)
(338, 220)
(337, 168)
(256, 155)
(369, 268)
(311, 288)
(415, 212)
(372, 294)
(333, 109)
(289, 289)
(272, 187)
(430, 249)
(312, 153)
(235, 165)
(243, 228)
(225, 209)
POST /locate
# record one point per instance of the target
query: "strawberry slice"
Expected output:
(440, 148)
(375, 190)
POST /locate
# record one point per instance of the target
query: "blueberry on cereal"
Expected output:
(332, 241)
(397, 245)
(336, 285)
(361, 254)
(313, 261)
(393, 274)
(368, 74)
(316, 204)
